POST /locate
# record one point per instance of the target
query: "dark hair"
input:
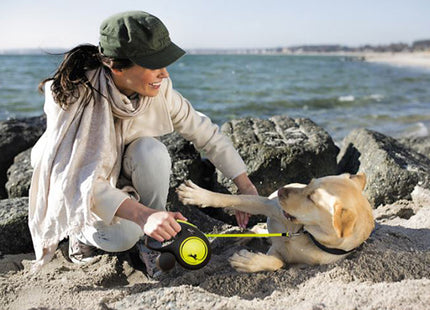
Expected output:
(69, 81)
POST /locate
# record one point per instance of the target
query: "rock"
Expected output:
(187, 164)
(418, 144)
(14, 262)
(15, 137)
(392, 169)
(14, 233)
(421, 196)
(281, 150)
(403, 209)
(186, 161)
(277, 151)
(19, 175)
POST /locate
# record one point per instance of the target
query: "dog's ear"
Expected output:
(343, 220)
(359, 179)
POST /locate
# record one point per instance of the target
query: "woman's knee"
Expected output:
(124, 242)
(117, 237)
(147, 153)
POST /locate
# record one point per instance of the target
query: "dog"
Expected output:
(323, 221)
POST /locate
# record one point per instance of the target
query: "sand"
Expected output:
(390, 271)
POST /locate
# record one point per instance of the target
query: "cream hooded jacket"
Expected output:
(77, 160)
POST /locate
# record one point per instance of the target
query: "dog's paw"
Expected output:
(246, 261)
(191, 194)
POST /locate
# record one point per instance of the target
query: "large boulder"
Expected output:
(17, 135)
(19, 175)
(14, 233)
(188, 164)
(393, 170)
(277, 151)
(281, 150)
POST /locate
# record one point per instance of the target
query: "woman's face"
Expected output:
(137, 79)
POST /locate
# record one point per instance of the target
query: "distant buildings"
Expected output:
(423, 45)
(417, 46)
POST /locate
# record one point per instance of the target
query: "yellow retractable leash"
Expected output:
(190, 247)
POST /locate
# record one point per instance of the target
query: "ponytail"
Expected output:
(70, 80)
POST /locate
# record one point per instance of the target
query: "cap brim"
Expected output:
(160, 59)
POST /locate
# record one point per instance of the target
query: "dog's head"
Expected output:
(332, 208)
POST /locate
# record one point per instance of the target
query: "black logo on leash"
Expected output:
(193, 256)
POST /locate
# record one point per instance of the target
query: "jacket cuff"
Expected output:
(229, 163)
(107, 200)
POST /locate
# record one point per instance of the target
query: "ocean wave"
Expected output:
(416, 130)
(376, 97)
(348, 98)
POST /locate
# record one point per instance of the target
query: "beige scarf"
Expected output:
(83, 144)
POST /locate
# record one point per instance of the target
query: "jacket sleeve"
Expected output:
(206, 136)
(106, 200)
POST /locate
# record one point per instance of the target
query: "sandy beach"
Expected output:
(415, 59)
(390, 271)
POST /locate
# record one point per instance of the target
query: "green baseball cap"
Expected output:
(139, 37)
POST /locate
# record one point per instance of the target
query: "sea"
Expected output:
(339, 93)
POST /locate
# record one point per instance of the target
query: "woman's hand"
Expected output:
(245, 187)
(162, 225)
(159, 225)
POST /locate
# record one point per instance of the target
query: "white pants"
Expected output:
(147, 164)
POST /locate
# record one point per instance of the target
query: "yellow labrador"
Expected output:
(325, 220)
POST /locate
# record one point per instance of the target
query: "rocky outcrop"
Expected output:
(19, 176)
(392, 169)
(281, 150)
(15, 137)
(14, 233)
(277, 151)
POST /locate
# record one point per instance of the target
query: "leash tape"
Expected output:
(287, 234)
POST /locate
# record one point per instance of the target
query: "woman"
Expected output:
(104, 106)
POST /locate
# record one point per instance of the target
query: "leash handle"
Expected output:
(155, 245)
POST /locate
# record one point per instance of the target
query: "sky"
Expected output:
(221, 23)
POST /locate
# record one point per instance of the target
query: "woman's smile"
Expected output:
(137, 79)
(155, 85)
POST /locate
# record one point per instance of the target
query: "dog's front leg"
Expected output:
(246, 261)
(191, 194)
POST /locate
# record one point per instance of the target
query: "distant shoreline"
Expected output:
(416, 59)
(399, 59)
(419, 59)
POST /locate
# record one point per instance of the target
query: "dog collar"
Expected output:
(326, 249)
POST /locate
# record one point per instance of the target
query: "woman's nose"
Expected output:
(164, 73)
